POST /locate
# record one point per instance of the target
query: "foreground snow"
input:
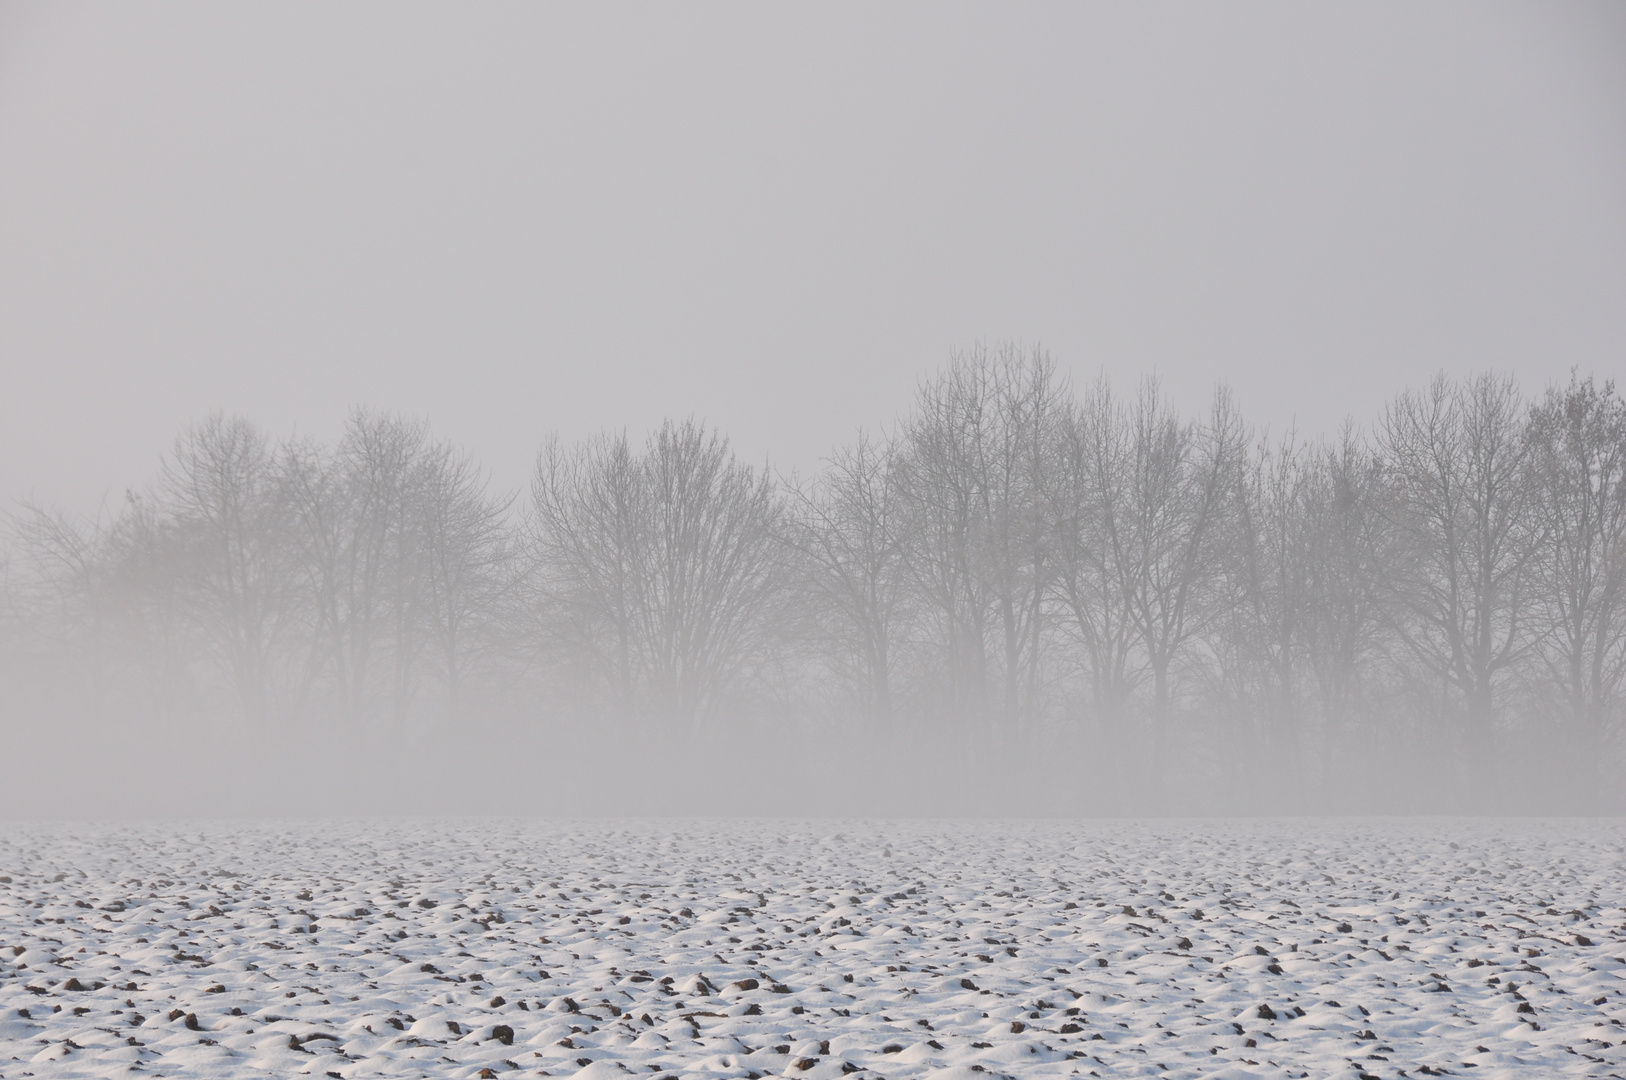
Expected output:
(814, 949)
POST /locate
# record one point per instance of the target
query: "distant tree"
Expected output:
(1351, 553)
(1261, 632)
(1360, 616)
(358, 544)
(1465, 506)
(667, 568)
(1180, 479)
(943, 502)
(466, 572)
(846, 527)
(1579, 571)
(1097, 568)
(226, 489)
(711, 570)
(62, 595)
(146, 561)
(587, 539)
(979, 451)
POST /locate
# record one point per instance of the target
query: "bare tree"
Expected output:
(980, 451)
(1579, 483)
(1350, 539)
(846, 527)
(1260, 633)
(1030, 408)
(226, 489)
(586, 547)
(711, 572)
(1465, 507)
(62, 593)
(1096, 566)
(1180, 480)
(1012, 556)
(146, 559)
(466, 569)
(359, 548)
(669, 565)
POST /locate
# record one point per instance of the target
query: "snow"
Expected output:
(814, 949)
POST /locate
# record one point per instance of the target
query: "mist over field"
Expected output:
(1022, 598)
(931, 411)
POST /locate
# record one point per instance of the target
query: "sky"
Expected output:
(523, 219)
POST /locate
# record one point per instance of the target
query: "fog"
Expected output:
(1059, 410)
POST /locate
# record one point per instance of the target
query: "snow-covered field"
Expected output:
(814, 949)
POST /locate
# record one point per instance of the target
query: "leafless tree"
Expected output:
(942, 502)
(466, 568)
(1350, 539)
(586, 542)
(1466, 510)
(846, 527)
(669, 565)
(1261, 631)
(61, 593)
(359, 546)
(144, 555)
(980, 449)
(1579, 486)
(1096, 566)
(711, 570)
(1180, 477)
(227, 490)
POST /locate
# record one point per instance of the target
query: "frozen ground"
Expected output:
(809, 949)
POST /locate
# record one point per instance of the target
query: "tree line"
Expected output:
(1391, 618)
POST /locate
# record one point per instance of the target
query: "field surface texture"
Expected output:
(814, 949)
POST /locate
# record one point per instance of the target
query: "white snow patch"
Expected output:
(740, 948)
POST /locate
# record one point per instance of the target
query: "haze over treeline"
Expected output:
(1024, 596)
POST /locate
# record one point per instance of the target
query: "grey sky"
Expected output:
(522, 219)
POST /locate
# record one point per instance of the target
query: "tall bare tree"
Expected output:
(586, 540)
(466, 571)
(1351, 541)
(1096, 566)
(359, 546)
(711, 570)
(227, 490)
(846, 527)
(1579, 485)
(980, 449)
(1261, 631)
(943, 501)
(1466, 510)
(1181, 477)
(669, 565)
(63, 594)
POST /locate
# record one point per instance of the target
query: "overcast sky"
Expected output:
(524, 219)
